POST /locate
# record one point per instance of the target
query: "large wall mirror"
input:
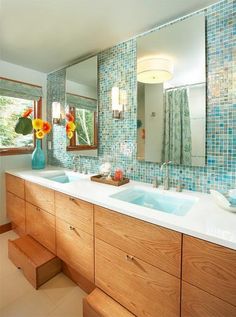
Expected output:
(81, 102)
(171, 74)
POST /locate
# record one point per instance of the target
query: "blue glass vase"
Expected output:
(38, 157)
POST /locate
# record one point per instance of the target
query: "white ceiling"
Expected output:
(47, 34)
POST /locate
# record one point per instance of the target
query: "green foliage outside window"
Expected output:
(10, 110)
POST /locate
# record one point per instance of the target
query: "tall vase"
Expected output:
(38, 157)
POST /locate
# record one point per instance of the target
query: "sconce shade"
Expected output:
(154, 70)
(56, 112)
(115, 97)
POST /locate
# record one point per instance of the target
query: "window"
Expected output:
(12, 104)
(84, 110)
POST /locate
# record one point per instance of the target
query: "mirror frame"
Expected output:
(72, 144)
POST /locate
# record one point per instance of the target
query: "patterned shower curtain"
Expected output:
(177, 145)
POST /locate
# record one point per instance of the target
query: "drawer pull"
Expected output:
(129, 257)
(37, 208)
(74, 201)
(72, 228)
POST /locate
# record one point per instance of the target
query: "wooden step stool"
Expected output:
(37, 263)
(99, 304)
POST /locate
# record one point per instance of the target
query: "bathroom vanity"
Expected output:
(152, 263)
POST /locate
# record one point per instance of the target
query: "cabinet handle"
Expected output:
(129, 257)
(72, 228)
(37, 208)
(74, 201)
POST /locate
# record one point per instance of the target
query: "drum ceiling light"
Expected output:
(154, 70)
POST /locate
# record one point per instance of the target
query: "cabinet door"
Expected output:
(75, 211)
(41, 226)
(15, 185)
(156, 245)
(75, 247)
(16, 212)
(197, 303)
(140, 287)
(210, 267)
(40, 196)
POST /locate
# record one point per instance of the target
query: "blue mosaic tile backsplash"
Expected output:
(117, 66)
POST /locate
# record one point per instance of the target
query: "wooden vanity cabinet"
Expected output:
(153, 244)
(41, 226)
(40, 196)
(198, 303)
(142, 288)
(74, 234)
(210, 267)
(132, 264)
(15, 203)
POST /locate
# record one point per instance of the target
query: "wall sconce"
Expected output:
(119, 101)
(56, 112)
(154, 70)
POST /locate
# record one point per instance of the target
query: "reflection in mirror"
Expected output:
(81, 102)
(171, 76)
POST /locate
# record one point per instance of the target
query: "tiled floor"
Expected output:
(59, 297)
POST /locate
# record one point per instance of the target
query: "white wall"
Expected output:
(153, 122)
(20, 73)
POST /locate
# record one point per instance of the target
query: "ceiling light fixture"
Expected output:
(154, 70)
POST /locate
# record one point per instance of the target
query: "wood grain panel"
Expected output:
(16, 212)
(74, 211)
(79, 279)
(76, 248)
(15, 185)
(140, 287)
(40, 196)
(156, 245)
(99, 304)
(197, 303)
(37, 263)
(210, 267)
(41, 226)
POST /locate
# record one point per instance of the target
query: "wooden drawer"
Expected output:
(15, 185)
(76, 248)
(197, 303)
(153, 244)
(140, 287)
(210, 267)
(41, 226)
(99, 304)
(37, 263)
(40, 196)
(74, 211)
(16, 212)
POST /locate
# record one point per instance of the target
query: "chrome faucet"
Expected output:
(75, 161)
(166, 178)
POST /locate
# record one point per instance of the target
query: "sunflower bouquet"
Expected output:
(26, 124)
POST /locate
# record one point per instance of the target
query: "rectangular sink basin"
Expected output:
(172, 204)
(60, 177)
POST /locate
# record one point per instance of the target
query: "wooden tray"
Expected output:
(100, 179)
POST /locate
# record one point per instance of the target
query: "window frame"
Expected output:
(38, 111)
(80, 147)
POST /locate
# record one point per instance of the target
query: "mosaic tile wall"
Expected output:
(117, 66)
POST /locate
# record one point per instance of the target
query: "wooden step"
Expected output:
(37, 263)
(99, 304)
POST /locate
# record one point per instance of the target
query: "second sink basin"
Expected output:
(176, 204)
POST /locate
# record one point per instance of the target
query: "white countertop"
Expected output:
(205, 219)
